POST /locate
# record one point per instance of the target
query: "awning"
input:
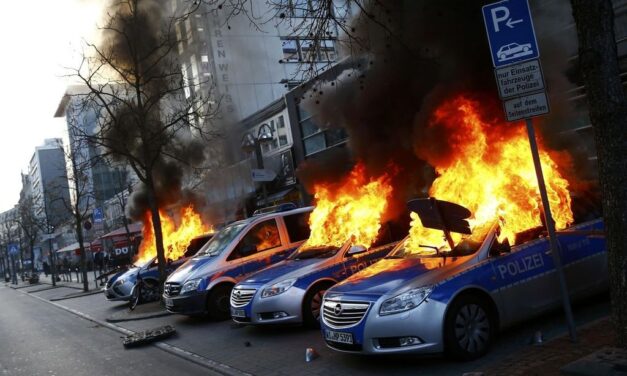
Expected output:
(73, 247)
(133, 228)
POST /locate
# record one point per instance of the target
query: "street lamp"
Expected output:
(252, 143)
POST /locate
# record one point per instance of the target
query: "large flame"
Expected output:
(492, 175)
(175, 238)
(352, 208)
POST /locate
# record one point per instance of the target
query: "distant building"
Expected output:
(49, 185)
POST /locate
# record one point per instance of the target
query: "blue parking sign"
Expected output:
(510, 31)
(14, 249)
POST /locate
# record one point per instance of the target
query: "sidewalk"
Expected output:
(548, 358)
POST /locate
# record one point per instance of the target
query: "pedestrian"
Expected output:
(46, 268)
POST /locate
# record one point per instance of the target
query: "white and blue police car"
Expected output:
(421, 301)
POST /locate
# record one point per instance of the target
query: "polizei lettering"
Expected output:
(520, 266)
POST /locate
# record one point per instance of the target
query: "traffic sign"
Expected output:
(526, 107)
(262, 174)
(519, 79)
(14, 249)
(98, 215)
(510, 32)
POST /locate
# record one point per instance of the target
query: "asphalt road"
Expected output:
(261, 351)
(37, 338)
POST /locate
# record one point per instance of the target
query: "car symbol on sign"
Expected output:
(513, 50)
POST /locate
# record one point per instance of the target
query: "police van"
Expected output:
(203, 284)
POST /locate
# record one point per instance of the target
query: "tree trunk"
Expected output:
(79, 235)
(608, 114)
(156, 224)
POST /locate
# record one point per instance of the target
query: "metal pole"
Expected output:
(14, 272)
(550, 226)
(260, 166)
(53, 267)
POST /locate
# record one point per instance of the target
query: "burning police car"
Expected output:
(424, 299)
(140, 283)
(203, 284)
(291, 291)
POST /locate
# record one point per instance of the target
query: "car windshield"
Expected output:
(142, 264)
(306, 252)
(468, 245)
(221, 240)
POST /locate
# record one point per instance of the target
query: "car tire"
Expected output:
(218, 302)
(469, 327)
(312, 305)
(525, 49)
(502, 57)
(136, 297)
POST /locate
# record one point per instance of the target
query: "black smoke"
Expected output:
(147, 128)
(407, 57)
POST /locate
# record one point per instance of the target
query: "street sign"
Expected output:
(14, 249)
(510, 32)
(519, 79)
(98, 215)
(526, 107)
(262, 174)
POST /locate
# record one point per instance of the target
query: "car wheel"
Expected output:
(149, 292)
(502, 57)
(469, 328)
(136, 296)
(525, 49)
(218, 304)
(312, 305)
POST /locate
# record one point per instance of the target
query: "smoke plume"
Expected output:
(407, 57)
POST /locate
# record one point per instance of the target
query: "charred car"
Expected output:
(140, 283)
(423, 300)
(202, 285)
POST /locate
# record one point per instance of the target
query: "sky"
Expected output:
(39, 38)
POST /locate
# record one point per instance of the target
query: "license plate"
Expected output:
(340, 337)
(238, 312)
(169, 302)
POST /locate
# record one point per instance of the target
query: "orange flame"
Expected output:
(492, 175)
(351, 208)
(175, 239)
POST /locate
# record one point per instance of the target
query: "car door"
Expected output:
(526, 280)
(256, 248)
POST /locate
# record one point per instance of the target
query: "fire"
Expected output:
(349, 209)
(175, 239)
(492, 175)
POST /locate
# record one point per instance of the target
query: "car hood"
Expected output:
(389, 274)
(285, 270)
(194, 268)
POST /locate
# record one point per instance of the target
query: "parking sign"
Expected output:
(510, 31)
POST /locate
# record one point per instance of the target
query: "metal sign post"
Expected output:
(513, 44)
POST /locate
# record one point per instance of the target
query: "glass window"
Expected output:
(314, 143)
(261, 237)
(297, 226)
(308, 50)
(281, 122)
(221, 240)
(290, 50)
(308, 127)
(282, 140)
(335, 136)
(298, 8)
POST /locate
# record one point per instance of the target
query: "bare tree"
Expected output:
(151, 115)
(608, 113)
(30, 225)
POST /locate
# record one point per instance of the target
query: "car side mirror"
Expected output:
(356, 249)
(247, 249)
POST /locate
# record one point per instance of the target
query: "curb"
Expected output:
(212, 365)
(78, 295)
(140, 317)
